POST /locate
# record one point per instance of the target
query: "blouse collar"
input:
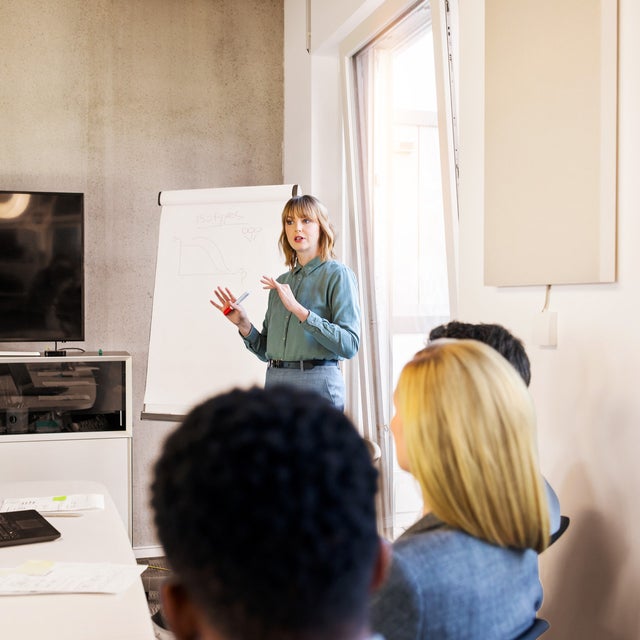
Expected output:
(313, 264)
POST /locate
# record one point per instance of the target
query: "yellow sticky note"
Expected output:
(35, 567)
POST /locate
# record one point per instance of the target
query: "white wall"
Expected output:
(585, 389)
(313, 135)
(312, 123)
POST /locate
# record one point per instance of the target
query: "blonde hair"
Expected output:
(312, 208)
(469, 429)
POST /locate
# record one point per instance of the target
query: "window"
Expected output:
(399, 219)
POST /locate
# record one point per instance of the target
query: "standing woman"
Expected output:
(464, 427)
(313, 317)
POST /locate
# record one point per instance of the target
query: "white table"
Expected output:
(96, 536)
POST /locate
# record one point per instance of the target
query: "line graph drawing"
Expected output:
(204, 256)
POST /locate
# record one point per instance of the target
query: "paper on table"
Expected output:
(36, 577)
(54, 504)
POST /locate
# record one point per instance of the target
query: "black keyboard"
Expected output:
(7, 532)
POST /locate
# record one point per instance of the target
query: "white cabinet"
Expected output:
(68, 418)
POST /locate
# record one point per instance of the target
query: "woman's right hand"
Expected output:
(237, 315)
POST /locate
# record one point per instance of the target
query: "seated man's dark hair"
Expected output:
(265, 505)
(495, 335)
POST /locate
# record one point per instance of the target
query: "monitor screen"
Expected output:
(41, 266)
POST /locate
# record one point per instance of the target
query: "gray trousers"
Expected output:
(326, 381)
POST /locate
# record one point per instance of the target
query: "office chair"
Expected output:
(535, 631)
(564, 525)
(541, 625)
(374, 450)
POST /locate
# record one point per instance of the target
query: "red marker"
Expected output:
(228, 310)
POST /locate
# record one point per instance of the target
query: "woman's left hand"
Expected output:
(286, 297)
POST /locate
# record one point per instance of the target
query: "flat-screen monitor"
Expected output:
(41, 266)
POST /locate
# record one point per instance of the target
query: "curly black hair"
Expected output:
(264, 503)
(495, 335)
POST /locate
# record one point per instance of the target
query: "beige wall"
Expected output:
(121, 100)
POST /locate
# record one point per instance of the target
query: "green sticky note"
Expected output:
(59, 498)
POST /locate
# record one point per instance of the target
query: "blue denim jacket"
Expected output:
(445, 584)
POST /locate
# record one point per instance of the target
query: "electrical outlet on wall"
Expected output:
(545, 329)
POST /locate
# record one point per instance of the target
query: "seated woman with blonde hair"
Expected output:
(464, 427)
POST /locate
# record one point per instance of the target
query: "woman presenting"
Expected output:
(313, 318)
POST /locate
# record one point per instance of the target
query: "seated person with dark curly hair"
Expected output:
(512, 349)
(265, 505)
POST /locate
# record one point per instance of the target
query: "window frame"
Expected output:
(367, 393)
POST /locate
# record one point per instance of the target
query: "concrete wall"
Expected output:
(121, 100)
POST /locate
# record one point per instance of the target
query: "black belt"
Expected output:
(302, 365)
